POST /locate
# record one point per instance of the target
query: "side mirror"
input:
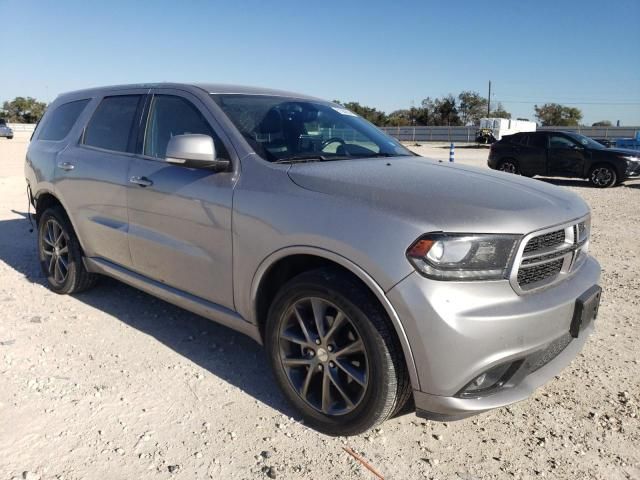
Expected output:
(195, 151)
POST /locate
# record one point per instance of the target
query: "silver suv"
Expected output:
(378, 281)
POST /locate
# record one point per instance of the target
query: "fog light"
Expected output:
(490, 380)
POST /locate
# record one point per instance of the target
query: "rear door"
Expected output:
(565, 156)
(92, 175)
(180, 219)
(532, 154)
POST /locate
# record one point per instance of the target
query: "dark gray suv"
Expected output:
(377, 280)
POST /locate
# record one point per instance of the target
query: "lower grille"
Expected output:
(539, 359)
(539, 273)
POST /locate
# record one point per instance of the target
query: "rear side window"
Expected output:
(61, 120)
(537, 140)
(112, 123)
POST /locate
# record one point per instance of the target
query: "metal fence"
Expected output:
(468, 134)
(22, 127)
(448, 134)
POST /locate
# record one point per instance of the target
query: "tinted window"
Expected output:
(61, 120)
(169, 116)
(521, 139)
(111, 124)
(558, 141)
(538, 141)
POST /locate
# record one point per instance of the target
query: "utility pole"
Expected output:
(489, 101)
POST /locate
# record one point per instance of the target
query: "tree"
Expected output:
(554, 114)
(500, 112)
(23, 110)
(400, 118)
(374, 116)
(472, 107)
(602, 123)
(446, 111)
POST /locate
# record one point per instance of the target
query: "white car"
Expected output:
(5, 131)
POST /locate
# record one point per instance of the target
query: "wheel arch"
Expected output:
(286, 263)
(45, 199)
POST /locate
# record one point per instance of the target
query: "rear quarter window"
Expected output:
(60, 122)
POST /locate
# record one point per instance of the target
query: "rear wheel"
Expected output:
(603, 176)
(334, 353)
(60, 254)
(509, 165)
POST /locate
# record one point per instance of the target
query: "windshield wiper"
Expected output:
(310, 158)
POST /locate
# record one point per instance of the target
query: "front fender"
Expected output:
(375, 288)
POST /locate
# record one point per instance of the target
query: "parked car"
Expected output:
(5, 130)
(564, 154)
(377, 280)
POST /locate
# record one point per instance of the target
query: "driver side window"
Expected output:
(171, 115)
(560, 142)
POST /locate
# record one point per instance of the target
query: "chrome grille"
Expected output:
(544, 241)
(539, 273)
(547, 257)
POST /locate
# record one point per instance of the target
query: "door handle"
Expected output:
(142, 181)
(66, 166)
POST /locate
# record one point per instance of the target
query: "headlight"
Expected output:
(453, 256)
(631, 158)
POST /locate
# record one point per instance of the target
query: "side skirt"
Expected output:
(197, 305)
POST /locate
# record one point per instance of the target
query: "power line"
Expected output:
(570, 103)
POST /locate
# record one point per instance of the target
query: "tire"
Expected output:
(603, 176)
(509, 165)
(383, 386)
(60, 254)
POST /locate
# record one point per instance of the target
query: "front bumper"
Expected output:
(633, 170)
(458, 330)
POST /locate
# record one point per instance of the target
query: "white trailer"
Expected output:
(493, 129)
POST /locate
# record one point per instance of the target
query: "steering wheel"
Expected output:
(332, 140)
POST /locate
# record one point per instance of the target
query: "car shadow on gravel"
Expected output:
(565, 182)
(225, 353)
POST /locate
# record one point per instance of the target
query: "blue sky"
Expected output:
(380, 53)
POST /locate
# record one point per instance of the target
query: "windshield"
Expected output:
(284, 129)
(586, 141)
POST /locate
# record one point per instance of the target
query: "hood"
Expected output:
(444, 196)
(620, 152)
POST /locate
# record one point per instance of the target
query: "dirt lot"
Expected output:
(114, 384)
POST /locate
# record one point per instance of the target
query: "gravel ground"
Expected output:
(115, 384)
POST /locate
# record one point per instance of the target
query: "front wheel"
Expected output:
(603, 176)
(334, 353)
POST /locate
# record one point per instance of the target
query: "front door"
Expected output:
(565, 157)
(180, 217)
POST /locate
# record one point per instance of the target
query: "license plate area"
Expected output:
(585, 310)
